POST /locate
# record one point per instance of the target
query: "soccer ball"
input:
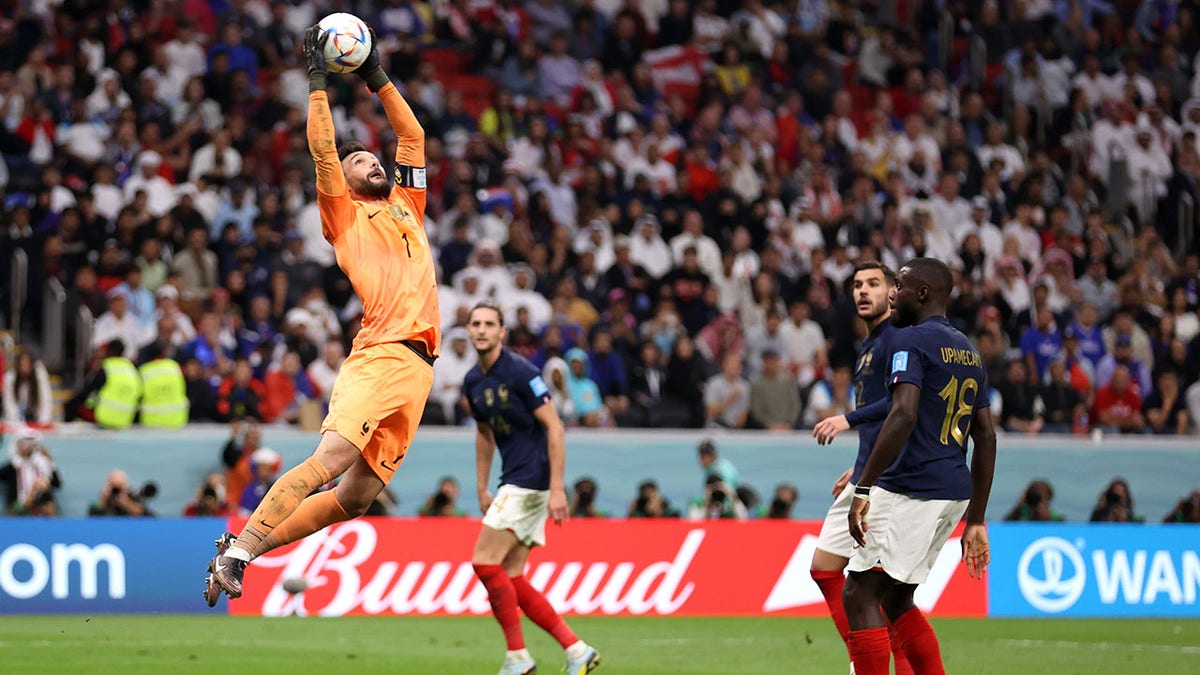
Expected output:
(349, 41)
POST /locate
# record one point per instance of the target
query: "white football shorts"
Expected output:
(835, 532)
(521, 511)
(906, 534)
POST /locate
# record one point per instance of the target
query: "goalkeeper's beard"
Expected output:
(369, 189)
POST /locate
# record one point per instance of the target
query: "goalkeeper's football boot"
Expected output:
(517, 666)
(584, 664)
(224, 573)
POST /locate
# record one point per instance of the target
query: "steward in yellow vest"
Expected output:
(164, 392)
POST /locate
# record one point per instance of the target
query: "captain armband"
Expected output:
(410, 176)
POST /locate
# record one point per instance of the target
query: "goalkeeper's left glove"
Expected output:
(314, 55)
(370, 69)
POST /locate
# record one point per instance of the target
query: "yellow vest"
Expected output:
(164, 397)
(117, 401)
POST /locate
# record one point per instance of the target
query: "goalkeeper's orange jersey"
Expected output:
(382, 247)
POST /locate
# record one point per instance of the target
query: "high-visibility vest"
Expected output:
(164, 395)
(117, 401)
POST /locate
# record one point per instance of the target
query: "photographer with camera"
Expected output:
(444, 501)
(116, 499)
(210, 498)
(1035, 504)
(719, 501)
(650, 503)
(583, 504)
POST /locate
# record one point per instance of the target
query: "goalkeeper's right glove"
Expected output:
(371, 70)
(314, 55)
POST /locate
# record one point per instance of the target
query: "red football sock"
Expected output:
(540, 611)
(830, 582)
(504, 603)
(918, 642)
(902, 667)
(870, 651)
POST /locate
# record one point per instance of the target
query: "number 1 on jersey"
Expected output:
(407, 248)
(958, 407)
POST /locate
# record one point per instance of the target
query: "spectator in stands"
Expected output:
(28, 398)
(587, 403)
(1164, 407)
(1035, 504)
(29, 477)
(240, 395)
(444, 501)
(202, 401)
(650, 503)
(118, 323)
(448, 373)
(1086, 330)
(774, 397)
(1118, 406)
(727, 395)
(1063, 407)
(1019, 396)
(287, 388)
(1115, 505)
(831, 397)
(197, 267)
(805, 342)
(264, 470)
(1040, 344)
(324, 370)
(1122, 355)
(210, 499)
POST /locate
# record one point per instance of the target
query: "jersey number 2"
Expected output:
(958, 406)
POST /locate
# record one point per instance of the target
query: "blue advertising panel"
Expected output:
(1096, 570)
(119, 565)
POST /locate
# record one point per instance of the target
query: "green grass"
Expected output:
(637, 646)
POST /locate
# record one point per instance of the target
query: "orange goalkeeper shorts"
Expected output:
(377, 403)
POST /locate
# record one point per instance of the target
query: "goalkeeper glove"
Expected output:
(371, 70)
(314, 54)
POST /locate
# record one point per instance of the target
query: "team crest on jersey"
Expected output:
(899, 362)
(538, 385)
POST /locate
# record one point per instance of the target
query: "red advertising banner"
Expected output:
(598, 567)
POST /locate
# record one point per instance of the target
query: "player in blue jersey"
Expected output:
(512, 410)
(916, 484)
(871, 285)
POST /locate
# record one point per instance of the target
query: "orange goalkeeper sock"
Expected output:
(281, 501)
(314, 513)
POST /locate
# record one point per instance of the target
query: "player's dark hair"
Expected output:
(488, 304)
(888, 274)
(933, 273)
(349, 148)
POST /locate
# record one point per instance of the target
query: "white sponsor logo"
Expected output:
(796, 588)
(1120, 579)
(451, 587)
(1055, 584)
(25, 570)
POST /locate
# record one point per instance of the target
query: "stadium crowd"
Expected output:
(667, 197)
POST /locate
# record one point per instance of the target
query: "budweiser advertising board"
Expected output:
(598, 567)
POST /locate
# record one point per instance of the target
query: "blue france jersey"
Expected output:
(940, 360)
(504, 398)
(871, 385)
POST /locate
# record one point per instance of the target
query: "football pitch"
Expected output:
(637, 646)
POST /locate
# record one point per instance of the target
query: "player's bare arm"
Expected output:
(556, 448)
(896, 429)
(485, 449)
(975, 550)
